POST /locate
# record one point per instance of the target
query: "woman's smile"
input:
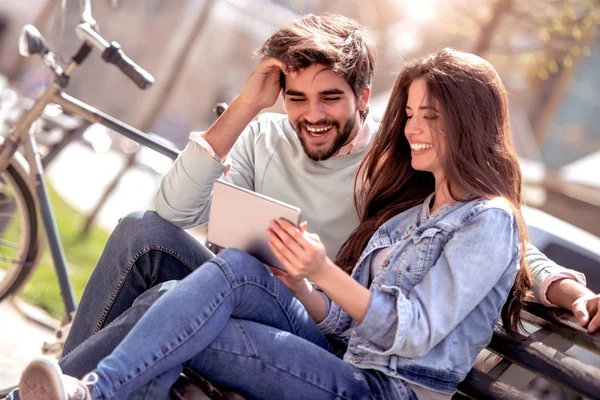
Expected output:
(420, 148)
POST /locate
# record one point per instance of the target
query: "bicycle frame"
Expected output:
(22, 135)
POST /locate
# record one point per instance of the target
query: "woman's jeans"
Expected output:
(142, 255)
(238, 326)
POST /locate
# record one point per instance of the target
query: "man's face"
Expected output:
(323, 110)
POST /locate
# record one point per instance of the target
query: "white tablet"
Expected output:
(239, 219)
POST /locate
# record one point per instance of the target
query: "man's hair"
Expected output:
(334, 41)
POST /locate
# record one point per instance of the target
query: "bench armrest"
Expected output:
(478, 385)
(546, 362)
(556, 320)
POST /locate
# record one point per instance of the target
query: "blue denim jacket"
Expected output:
(439, 293)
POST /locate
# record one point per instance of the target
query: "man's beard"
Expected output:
(340, 139)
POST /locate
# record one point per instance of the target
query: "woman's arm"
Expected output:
(343, 290)
(313, 301)
(304, 256)
(481, 254)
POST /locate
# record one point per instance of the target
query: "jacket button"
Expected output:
(386, 262)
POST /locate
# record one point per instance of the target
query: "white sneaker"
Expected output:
(43, 380)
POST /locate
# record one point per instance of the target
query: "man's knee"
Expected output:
(150, 296)
(143, 227)
(144, 235)
(141, 221)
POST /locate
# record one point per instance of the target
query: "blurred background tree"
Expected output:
(558, 34)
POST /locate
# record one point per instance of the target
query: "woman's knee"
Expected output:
(241, 263)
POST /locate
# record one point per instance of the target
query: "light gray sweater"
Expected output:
(267, 158)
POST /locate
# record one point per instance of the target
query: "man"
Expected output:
(322, 67)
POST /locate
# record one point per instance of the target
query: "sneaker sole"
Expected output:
(41, 380)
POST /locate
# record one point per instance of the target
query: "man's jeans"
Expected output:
(143, 251)
(237, 325)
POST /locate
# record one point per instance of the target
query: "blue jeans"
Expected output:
(238, 326)
(142, 252)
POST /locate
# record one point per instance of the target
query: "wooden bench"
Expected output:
(540, 354)
(523, 358)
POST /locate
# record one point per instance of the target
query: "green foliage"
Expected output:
(82, 254)
(557, 31)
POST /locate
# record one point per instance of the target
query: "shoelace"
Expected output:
(90, 379)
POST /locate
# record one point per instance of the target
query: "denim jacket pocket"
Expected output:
(419, 259)
(418, 235)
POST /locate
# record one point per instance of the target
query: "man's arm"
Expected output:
(556, 285)
(185, 191)
(260, 91)
(574, 296)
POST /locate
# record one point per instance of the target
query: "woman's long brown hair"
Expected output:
(479, 157)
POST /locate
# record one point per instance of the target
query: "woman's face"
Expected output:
(423, 124)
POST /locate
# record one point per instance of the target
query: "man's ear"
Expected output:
(363, 99)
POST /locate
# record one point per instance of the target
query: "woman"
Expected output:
(429, 277)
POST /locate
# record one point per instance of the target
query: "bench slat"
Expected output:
(547, 362)
(478, 385)
(554, 320)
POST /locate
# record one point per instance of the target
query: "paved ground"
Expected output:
(20, 341)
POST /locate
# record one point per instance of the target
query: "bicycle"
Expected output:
(24, 198)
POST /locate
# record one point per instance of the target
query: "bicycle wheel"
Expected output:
(19, 245)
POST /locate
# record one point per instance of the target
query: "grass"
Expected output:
(82, 254)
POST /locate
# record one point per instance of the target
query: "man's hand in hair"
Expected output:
(260, 91)
(263, 85)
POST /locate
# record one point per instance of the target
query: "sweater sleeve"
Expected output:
(185, 192)
(545, 271)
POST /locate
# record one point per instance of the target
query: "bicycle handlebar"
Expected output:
(113, 54)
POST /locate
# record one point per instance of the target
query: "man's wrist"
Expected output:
(248, 109)
(226, 130)
(564, 292)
